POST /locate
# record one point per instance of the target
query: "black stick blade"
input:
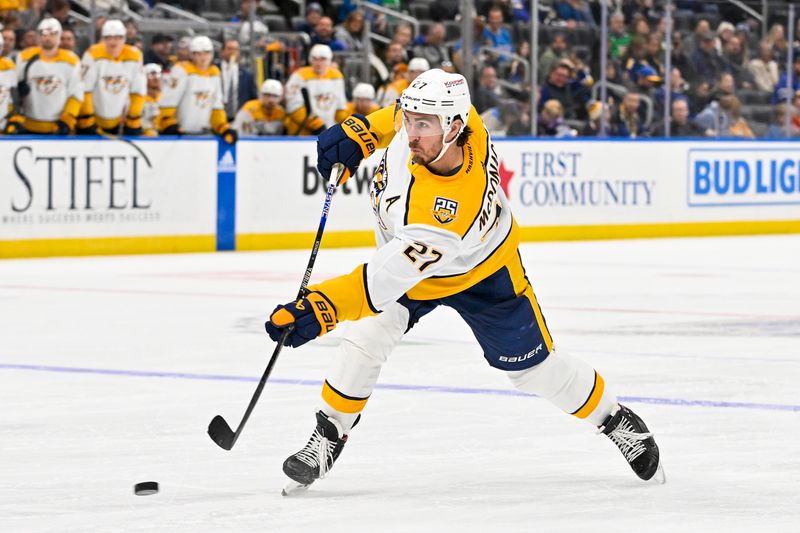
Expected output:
(221, 433)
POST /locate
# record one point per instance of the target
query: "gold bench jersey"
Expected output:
(8, 81)
(55, 84)
(326, 93)
(117, 86)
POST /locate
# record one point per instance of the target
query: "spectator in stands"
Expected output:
(701, 29)
(394, 55)
(59, 10)
(131, 32)
(777, 38)
(594, 110)
(777, 128)
(49, 87)
(558, 87)
(238, 83)
(9, 44)
(113, 83)
(487, 95)
(351, 32)
(31, 17)
(8, 85)
(520, 124)
(519, 66)
(67, 40)
(29, 39)
(654, 53)
(182, 52)
(635, 59)
(259, 27)
(725, 85)
(626, 121)
(477, 29)
(647, 81)
(554, 53)
(679, 59)
(723, 118)
(313, 14)
(725, 31)
(618, 38)
(706, 63)
(160, 51)
(733, 58)
(495, 34)
(323, 34)
(575, 13)
(680, 125)
(678, 88)
(363, 102)
(551, 121)
(191, 98)
(784, 84)
(264, 115)
(150, 111)
(403, 76)
(324, 86)
(433, 48)
(403, 34)
(764, 68)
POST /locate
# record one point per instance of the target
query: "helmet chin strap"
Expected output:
(445, 144)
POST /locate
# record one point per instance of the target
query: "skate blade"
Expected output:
(293, 488)
(659, 478)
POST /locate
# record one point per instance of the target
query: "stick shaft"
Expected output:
(339, 170)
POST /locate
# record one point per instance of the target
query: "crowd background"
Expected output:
(291, 67)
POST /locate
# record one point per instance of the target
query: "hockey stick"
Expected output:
(114, 137)
(219, 430)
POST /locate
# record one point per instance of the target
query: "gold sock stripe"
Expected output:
(594, 397)
(342, 402)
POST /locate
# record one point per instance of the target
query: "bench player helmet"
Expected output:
(439, 93)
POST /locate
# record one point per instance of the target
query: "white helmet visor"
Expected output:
(419, 124)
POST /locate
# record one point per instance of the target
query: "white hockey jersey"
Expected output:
(117, 85)
(193, 98)
(436, 235)
(55, 86)
(326, 93)
(8, 82)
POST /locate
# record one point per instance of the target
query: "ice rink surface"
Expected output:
(111, 369)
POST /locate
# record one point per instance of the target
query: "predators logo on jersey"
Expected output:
(115, 84)
(202, 99)
(325, 101)
(378, 185)
(444, 210)
(47, 84)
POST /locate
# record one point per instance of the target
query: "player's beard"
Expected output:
(421, 158)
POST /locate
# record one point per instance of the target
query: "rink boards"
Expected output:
(101, 196)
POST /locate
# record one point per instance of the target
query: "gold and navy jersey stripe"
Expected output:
(340, 401)
(594, 398)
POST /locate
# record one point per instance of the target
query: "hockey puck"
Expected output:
(145, 488)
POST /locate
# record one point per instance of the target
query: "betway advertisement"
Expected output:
(61, 189)
(549, 183)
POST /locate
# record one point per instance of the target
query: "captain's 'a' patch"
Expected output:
(444, 210)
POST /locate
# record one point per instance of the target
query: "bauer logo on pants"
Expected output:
(444, 210)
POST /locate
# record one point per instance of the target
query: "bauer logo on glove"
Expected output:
(310, 317)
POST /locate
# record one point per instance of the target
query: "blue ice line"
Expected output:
(386, 386)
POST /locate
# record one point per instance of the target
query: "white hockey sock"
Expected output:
(569, 383)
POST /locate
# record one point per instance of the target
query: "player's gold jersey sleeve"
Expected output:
(348, 294)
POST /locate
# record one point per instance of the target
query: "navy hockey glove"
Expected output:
(62, 128)
(172, 130)
(310, 317)
(129, 131)
(347, 143)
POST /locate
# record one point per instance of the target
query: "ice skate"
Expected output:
(316, 459)
(630, 434)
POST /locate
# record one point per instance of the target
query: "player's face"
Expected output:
(154, 81)
(49, 39)
(202, 60)
(269, 101)
(424, 136)
(362, 105)
(114, 44)
(320, 65)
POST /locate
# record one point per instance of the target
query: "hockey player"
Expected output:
(113, 84)
(402, 79)
(150, 111)
(446, 236)
(49, 85)
(363, 102)
(324, 87)
(264, 116)
(8, 82)
(191, 98)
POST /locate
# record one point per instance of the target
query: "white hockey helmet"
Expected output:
(272, 88)
(113, 28)
(438, 93)
(50, 25)
(364, 90)
(320, 51)
(152, 68)
(419, 64)
(201, 43)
